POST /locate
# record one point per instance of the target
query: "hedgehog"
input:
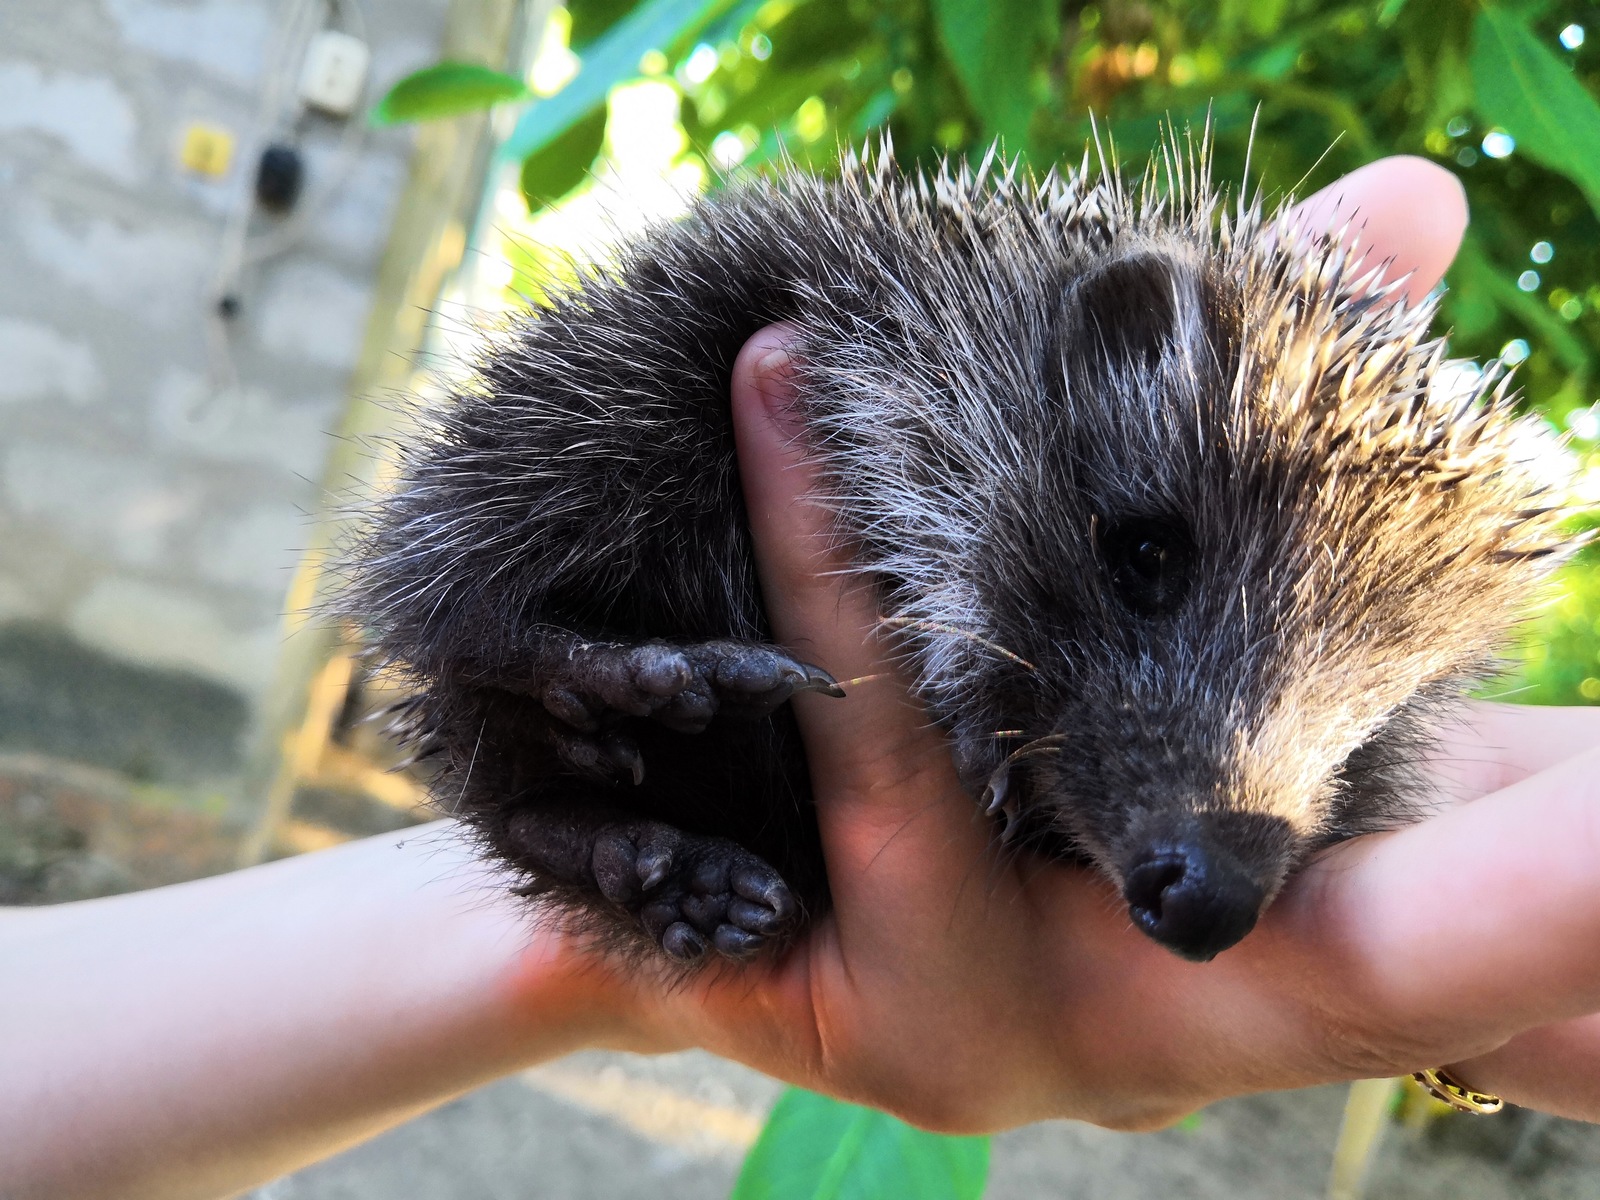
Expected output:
(1187, 533)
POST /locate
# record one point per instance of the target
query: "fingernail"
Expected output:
(772, 373)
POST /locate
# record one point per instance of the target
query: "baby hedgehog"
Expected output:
(1188, 539)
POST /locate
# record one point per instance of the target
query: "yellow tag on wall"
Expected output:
(207, 149)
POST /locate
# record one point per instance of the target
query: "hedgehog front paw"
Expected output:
(692, 894)
(683, 687)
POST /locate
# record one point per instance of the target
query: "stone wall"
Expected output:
(155, 492)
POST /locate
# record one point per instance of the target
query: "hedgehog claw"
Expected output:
(683, 941)
(601, 757)
(818, 680)
(622, 754)
(1000, 801)
(1013, 823)
(995, 794)
(653, 864)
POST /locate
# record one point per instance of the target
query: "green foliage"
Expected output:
(660, 25)
(1485, 90)
(558, 166)
(1529, 92)
(446, 89)
(987, 41)
(591, 18)
(814, 1148)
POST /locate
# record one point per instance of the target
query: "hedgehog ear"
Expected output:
(1124, 312)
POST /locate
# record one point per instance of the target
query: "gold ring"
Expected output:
(1442, 1085)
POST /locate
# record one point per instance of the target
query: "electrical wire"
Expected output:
(348, 149)
(280, 115)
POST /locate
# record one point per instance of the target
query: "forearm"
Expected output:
(196, 1040)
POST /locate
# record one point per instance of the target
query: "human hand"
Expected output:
(968, 991)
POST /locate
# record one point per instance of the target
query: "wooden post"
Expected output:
(426, 242)
(1366, 1117)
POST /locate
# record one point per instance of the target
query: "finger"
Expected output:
(1432, 945)
(875, 743)
(1496, 745)
(1554, 1069)
(1407, 214)
(1491, 909)
(1461, 932)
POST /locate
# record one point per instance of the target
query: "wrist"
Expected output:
(564, 991)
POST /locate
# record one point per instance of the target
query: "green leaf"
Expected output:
(814, 1148)
(994, 45)
(1448, 92)
(1390, 12)
(446, 89)
(613, 59)
(1266, 15)
(592, 18)
(550, 173)
(1530, 93)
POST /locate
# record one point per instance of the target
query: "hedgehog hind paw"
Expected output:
(709, 894)
(690, 895)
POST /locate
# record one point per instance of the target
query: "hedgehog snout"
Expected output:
(1198, 885)
(1195, 901)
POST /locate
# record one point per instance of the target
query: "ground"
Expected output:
(617, 1127)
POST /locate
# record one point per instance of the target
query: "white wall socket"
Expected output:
(335, 73)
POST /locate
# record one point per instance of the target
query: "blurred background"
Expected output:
(218, 272)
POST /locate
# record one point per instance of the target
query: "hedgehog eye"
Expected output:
(1150, 561)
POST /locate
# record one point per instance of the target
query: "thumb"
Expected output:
(818, 605)
(875, 762)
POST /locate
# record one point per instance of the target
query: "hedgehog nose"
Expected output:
(1193, 901)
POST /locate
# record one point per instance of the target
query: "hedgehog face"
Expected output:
(1306, 542)
(1199, 629)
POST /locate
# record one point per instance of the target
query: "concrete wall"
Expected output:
(151, 514)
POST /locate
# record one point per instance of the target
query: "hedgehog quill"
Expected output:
(1188, 538)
